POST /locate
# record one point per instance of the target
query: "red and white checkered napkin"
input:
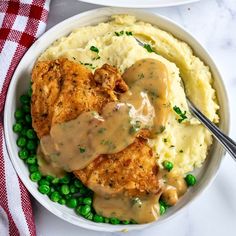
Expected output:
(21, 22)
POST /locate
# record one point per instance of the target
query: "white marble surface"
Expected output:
(213, 22)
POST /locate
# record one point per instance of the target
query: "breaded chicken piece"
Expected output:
(62, 90)
(132, 171)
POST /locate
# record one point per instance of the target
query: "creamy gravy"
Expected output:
(149, 76)
(74, 144)
(140, 209)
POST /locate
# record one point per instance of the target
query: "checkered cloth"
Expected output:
(21, 22)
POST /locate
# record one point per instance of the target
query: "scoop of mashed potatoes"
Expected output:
(185, 144)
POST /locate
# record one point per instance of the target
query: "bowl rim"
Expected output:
(138, 5)
(106, 12)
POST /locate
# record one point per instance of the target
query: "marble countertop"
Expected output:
(213, 23)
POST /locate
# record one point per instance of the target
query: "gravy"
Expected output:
(74, 144)
(149, 76)
(140, 209)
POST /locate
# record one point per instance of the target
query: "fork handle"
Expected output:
(228, 144)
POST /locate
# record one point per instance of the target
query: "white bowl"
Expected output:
(20, 82)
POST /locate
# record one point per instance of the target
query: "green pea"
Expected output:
(98, 218)
(87, 201)
(21, 141)
(19, 114)
(78, 210)
(68, 196)
(17, 127)
(49, 178)
(73, 189)
(35, 176)
(78, 183)
(55, 181)
(26, 108)
(85, 209)
(44, 182)
(162, 209)
(72, 203)
(23, 154)
(31, 145)
(28, 118)
(89, 216)
(31, 134)
(65, 189)
(22, 122)
(33, 168)
(55, 196)
(114, 221)
(62, 201)
(133, 222)
(65, 179)
(44, 189)
(125, 222)
(52, 189)
(106, 220)
(23, 132)
(24, 99)
(190, 180)
(168, 165)
(80, 200)
(31, 160)
(83, 191)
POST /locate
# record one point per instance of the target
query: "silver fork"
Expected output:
(228, 144)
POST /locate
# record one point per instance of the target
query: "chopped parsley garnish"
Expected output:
(122, 32)
(180, 113)
(181, 151)
(101, 130)
(136, 201)
(135, 127)
(148, 48)
(161, 129)
(82, 149)
(96, 58)
(109, 144)
(129, 33)
(140, 76)
(88, 64)
(94, 49)
(119, 33)
(165, 140)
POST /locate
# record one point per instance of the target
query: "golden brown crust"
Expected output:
(62, 90)
(133, 171)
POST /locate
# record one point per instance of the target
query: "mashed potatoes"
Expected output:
(186, 143)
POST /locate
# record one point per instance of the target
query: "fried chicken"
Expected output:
(62, 90)
(132, 171)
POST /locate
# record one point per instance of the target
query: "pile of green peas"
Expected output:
(69, 190)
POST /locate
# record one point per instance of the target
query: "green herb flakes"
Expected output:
(82, 149)
(94, 49)
(122, 32)
(148, 48)
(180, 113)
